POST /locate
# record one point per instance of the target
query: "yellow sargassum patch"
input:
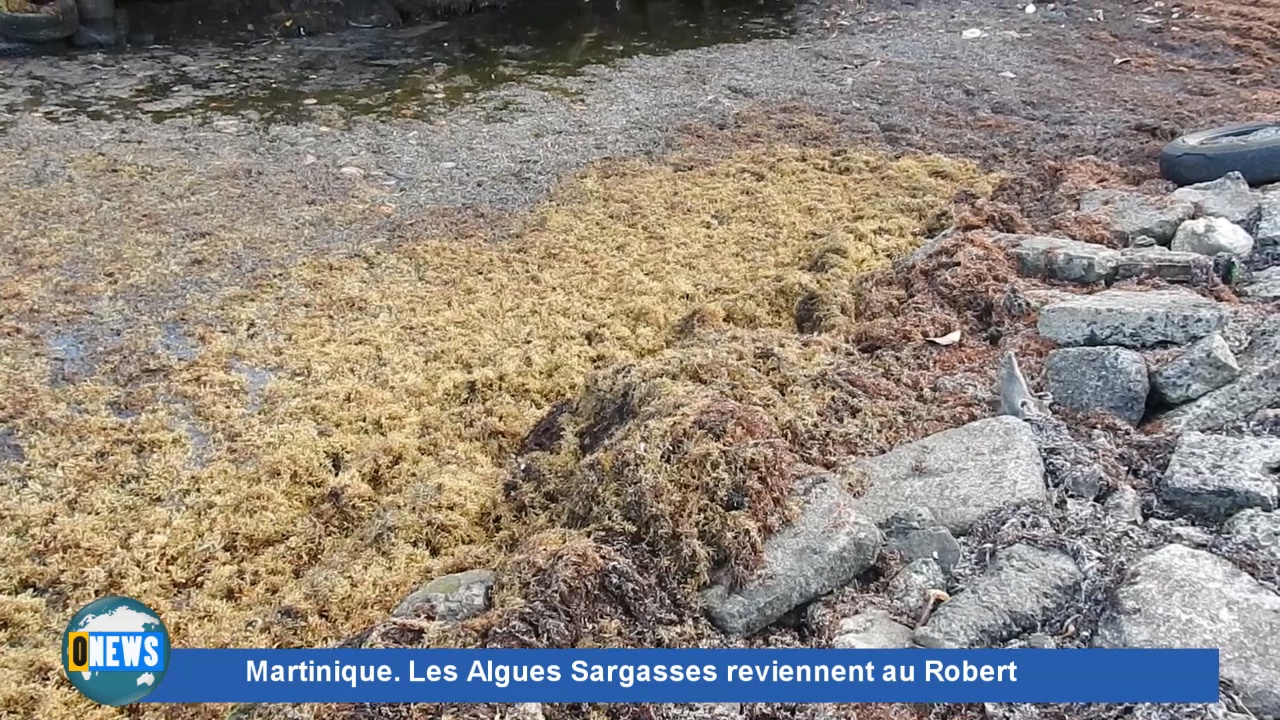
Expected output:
(340, 432)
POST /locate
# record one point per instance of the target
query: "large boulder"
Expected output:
(1203, 367)
(1215, 476)
(1177, 597)
(829, 544)
(959, 475)
(1023, 586)
(1131, 318)
(1132, 215)
(1105, 379)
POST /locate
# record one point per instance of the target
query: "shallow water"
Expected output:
(405, 72)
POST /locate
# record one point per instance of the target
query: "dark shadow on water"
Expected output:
(411, 71)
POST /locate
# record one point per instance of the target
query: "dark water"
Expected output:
(198, 65)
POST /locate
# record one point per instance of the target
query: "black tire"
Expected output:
(41, 27)
(1197, 158)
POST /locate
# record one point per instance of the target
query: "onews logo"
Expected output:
(115, 651)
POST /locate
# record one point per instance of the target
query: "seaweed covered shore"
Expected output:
(270, 379)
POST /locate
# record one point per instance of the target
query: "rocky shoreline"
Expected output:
(1138, 510)
(154, 190)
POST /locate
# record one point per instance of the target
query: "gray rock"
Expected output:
(1161, 263)
(1257, 388)
(1180, 597)
(1143, 241)
(1212, 236)
(1040, 641)
(925, 251)
(1124, 504)
(1267, 232)
(714, 711)
(1189, 535)
(10, 448)
(1099, 379)
(1258, 529)
(909, 590)
(1061, 259)
(1133, 215)
(937, 544)
(1203, 367)
(1039, 297)
(525, 711)
(906, 521)
(1085, 484)
(872, 629)
(1131, 318)
(1229, 198)
(1264, 285)
(824, 549)
(1023, 586)
(1215, 476)
(450, 598)
(959, 475)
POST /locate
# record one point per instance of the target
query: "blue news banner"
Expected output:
(680, 676)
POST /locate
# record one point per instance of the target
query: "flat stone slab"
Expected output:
(1178, 597)
(1106, 379)
(449, 598)
(1203, 367)
(1215, 476)
(828, 545)
(1131, 319)
(1163, 264)
(1014, 596)
(959, 475)
(1133, 215)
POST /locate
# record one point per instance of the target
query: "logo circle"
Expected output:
(111, 619)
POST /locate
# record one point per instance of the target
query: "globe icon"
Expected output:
(119, 615)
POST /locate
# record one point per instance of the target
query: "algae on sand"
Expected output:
(401, 379)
